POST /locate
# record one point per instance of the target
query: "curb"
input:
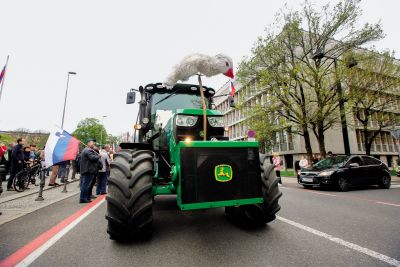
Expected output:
(8, 199)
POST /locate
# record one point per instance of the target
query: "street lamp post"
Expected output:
(65, 100)
(101, 131)
(352, 62)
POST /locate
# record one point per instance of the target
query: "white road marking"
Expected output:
(311, 191)
(344, 243)
(319, 193)
(385, 203)
(40, 250)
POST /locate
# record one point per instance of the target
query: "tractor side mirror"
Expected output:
(231, 101)
(130, 97)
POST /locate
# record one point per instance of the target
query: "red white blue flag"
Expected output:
(60, 146)
(2, 73)
(233, 89)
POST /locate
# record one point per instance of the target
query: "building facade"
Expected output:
(291, 146)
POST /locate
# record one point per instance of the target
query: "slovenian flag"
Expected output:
(233, 90)
(60, 146)
(2, 73)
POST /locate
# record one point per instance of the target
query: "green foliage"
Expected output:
(6, 139)
(90, 128)
(373, 93)
(287, 173)
(39, 138)
(298, 86)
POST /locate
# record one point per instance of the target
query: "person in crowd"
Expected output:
(89, 168)
(303, 162)
(3, 150)
(315, 159)
(33, 153)
(277, 162)
(27, 153)
(100, 166)
(103, 173)
(330, 154)
(42, 156)
(17, 162)
(63, 173)
(75, 165)
(110, 154)
(3, 163)
(297, 168)
(54, 172)
(9, 155)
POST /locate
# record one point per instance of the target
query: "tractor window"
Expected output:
(177, 101)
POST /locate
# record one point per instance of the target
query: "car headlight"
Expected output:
(216, 121)
(325, 173)
(184, 120)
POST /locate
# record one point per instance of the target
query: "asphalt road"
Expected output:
(369, 218)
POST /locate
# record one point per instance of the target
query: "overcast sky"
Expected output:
(117, 45)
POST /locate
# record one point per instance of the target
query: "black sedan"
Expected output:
(344, 172)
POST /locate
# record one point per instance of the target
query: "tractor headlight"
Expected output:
(216, 121)
(184, 120)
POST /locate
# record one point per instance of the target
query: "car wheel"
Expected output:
(385, 182)
(343, 184)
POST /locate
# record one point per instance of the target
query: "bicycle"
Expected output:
(27, 175)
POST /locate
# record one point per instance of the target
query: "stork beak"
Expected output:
(229, 73)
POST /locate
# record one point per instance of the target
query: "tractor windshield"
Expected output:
(176, 101)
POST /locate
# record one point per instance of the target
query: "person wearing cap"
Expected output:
(88, 169)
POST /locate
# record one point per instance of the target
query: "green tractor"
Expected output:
(173, 154)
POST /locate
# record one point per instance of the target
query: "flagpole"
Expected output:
(4, 77)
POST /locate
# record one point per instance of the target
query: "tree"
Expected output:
(114, 140)
(90, 128)
(373, 93)
(301, 86)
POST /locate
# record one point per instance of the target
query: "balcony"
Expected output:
(384, 148)
(391, 148)
(378, 148)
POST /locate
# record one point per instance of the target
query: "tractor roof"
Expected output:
(182, 88)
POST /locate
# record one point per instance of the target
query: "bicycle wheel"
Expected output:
(21, 181)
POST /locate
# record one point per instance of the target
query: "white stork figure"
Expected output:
(199, 63)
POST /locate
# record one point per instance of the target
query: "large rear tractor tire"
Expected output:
(130, 200)
(256, 215)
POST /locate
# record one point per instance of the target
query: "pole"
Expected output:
(66, 179)
(42, 183)
(342, 112)
(203, 102)
(4, 77)
(101, 132)
(65, 103)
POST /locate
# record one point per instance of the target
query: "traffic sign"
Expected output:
(251, 133)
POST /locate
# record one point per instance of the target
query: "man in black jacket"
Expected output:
(17, 163)
(88, 169)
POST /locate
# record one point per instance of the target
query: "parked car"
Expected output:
(344, 172)
(398, 171)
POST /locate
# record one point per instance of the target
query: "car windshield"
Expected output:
(331, 162)
(176, 101)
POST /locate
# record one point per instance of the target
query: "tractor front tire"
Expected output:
(256, 215)
(129, 199)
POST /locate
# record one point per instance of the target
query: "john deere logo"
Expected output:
(223, 173)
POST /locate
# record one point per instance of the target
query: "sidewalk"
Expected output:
(11, 195)
(14, 204)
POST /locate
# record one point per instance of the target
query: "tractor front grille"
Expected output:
(198, 178)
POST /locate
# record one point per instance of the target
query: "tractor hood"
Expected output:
(199, 112)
